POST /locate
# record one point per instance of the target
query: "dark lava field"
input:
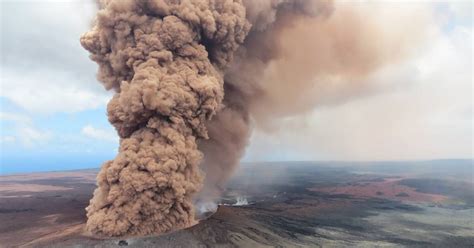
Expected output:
(281, 204)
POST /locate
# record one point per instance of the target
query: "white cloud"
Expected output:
(462, 10)
(427, 115)
(47, 91)
(7, 139)
(44, 68)
(23, 119)
(24, 130)
(31, 136)
(100, 134)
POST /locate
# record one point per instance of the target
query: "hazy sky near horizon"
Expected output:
(53, 110)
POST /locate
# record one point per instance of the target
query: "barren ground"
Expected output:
(290, 205)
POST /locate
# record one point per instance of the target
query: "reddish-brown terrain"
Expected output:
(389, 188)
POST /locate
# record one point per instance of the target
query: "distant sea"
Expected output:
(10, 165)
(456, 168)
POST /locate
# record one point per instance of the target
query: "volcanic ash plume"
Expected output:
(191, 79)
(300, 54)
(164, 59)
(230, 129)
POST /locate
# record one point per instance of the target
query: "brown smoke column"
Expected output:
(192, 78)
(164, 59)
(230, 130)
(298, 54)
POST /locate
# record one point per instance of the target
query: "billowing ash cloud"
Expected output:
(229, 131)
(164, 59)
(192, 78)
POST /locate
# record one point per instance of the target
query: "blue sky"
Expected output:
(53, 110)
